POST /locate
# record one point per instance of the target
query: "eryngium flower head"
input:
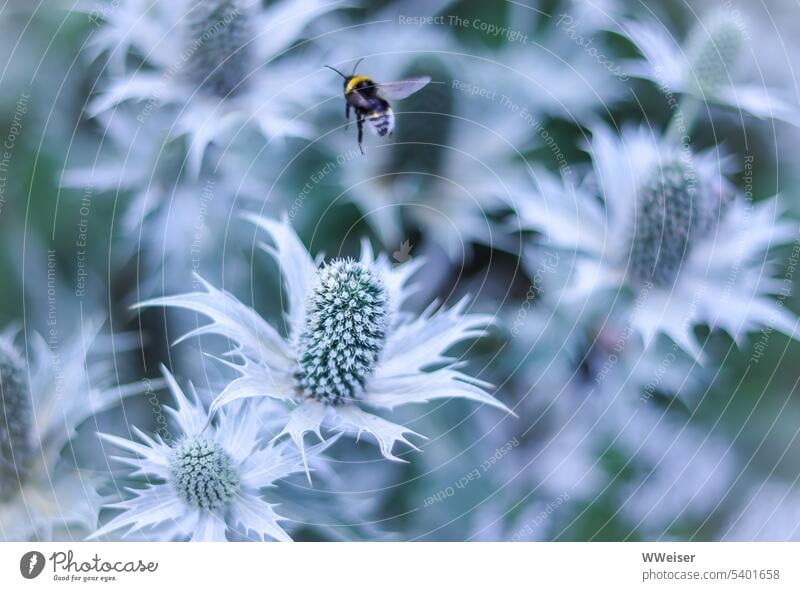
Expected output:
(207, 484)
(344, 333)
(211, 66)
(17, 443)
(171, 220)
(46, 396)
(680, 256)
(669, 211)
(203, 474)
(708, 65)
(217, 34)
(349, 342)
(714, 50)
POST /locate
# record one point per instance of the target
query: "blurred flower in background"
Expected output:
(670, 229)
(211, 63)
(707, 65)
(44, 494)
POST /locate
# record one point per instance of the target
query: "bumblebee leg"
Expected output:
(347, 114)
(360, 123)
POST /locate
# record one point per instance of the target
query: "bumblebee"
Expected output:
(368, 99)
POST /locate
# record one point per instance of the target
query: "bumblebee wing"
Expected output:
(402, 88)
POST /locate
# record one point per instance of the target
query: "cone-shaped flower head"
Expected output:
(207, 67)
(17, 444)
(670, 231)
(709, 65)
(344, 333)
(208, 485)
(669, 211)
(46, 394)
(714, 50)
(219, 58)
(350, 342)
(203, 474)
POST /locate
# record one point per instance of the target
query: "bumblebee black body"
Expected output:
(363, 96)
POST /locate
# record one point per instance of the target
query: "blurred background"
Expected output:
(113, 191)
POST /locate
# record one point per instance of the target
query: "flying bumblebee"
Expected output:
(368, 100)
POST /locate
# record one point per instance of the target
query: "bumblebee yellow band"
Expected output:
(353, 81)
(376, 115)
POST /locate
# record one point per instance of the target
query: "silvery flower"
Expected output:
(168, 219)
(349, 344)
(43, 494)
(670, 233)
(212, 65)
(206, 483)
(707, 65)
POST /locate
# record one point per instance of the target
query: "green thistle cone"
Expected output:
(715, 50)
(17, 444)
(202, 474)
(344, 333)
(219, 59)
(670, 211)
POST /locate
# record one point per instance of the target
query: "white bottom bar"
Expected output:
(403, 566)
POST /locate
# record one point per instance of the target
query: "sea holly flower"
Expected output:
(43, 495)
(169, 219)
(211, 64)
(350, 343)
(707, 66)
(205, 483)
(671, 233)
